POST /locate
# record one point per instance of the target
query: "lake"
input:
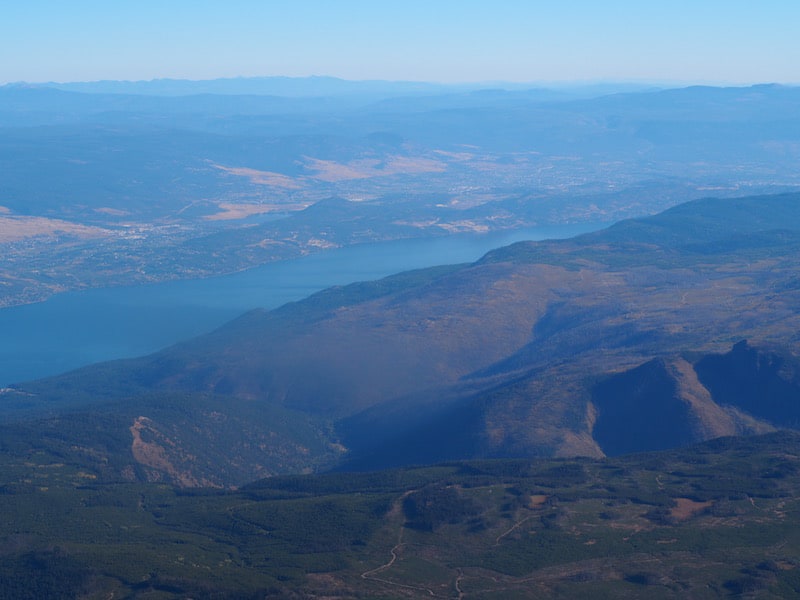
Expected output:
(78, 328)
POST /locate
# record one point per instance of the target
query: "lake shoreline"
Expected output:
(77, 328)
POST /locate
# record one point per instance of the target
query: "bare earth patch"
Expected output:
(324, 244)
(686, 508)
(332, 172)
(115, 212)
(463, 226)
(537, 500)
(262, 177)
(460, 156)
(14, 229)
(230, 211)
(151, 454)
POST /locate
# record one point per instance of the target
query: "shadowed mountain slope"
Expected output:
(572, 347)
(764, 383)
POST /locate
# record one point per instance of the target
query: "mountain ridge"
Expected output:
(506, 356)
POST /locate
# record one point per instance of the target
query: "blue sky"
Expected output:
(702, 41)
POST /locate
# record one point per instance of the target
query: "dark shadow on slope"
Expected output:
(639, 411)
(763, 383)
(413, 433)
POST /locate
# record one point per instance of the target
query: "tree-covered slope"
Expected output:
(714, 520)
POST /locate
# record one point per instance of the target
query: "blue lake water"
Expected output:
(78, 328)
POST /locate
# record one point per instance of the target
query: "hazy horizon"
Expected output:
(714, 42)
(517, 85)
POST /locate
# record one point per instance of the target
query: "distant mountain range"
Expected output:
(125, 183)
(624, 340)
(324, 86)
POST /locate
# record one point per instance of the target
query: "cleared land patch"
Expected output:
(14, 229)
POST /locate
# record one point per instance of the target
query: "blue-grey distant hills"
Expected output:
(326, 86)
(118, 183)
(654, 333)
(314, 86)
